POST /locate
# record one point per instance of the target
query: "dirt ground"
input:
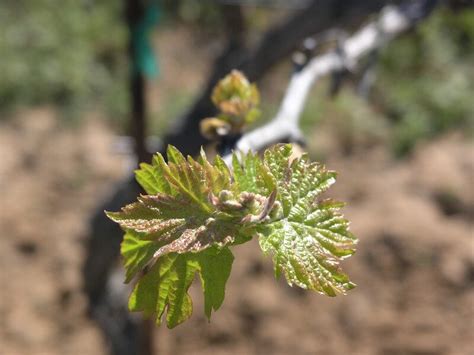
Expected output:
(414, 266)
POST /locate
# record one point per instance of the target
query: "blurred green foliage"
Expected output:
(425, 81)
(203, 14)
(71, 53)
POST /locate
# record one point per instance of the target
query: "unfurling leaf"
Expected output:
(195, 211)
(237, 101)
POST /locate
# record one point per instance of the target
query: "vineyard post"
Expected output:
(135, 11)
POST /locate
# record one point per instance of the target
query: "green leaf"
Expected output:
(250, 174)
(182, 227)
(215, 267)
(311, 237)
(151, 177)
(165, 286)
(136, 253)
(148, 178)
(174, 155)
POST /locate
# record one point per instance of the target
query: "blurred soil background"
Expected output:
(405, 160)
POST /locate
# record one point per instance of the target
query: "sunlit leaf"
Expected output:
(196, 210)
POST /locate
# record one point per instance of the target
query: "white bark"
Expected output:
(285, 125)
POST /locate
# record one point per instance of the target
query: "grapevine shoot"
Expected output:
(194, 212)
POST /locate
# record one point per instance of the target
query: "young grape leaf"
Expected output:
(214, 270)
(165, 286)
(252, 175)
(237, 100)
(136, 252)
(236, 97)
(311, 237)
(195, 211)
